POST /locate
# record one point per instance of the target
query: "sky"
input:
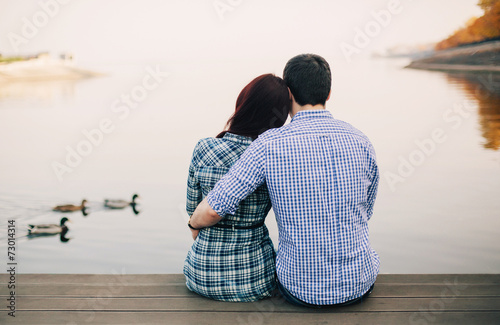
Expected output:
(142, 30)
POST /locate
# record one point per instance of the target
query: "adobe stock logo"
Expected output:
(373, 28)
(40, 19)
(224, 6)
(122, 106)
(427, 146)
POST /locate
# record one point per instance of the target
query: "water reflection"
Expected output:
(44, 91)
(485, 88)
(135, 208)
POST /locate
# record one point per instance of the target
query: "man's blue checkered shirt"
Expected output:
(322, 178)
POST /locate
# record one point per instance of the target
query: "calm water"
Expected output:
(437, 138)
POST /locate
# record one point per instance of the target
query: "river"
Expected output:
(437, 138)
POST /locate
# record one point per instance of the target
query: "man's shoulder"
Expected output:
(349, 128)
(353, 137)
(331, 126)
(272, 134)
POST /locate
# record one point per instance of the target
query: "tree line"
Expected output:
(480, 29)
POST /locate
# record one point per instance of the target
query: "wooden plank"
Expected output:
(180, 290)
(210, 318)
(272, 305)
(460, 279)
(152, 279)
(124, 279)
(163, 298)
(57, 290)
(435, 290)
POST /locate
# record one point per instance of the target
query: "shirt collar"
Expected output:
(237, 138)
(307, 114)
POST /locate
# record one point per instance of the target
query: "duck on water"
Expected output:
(121, 204)
(50, 230)
(70, 207)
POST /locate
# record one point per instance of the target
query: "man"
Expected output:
(322, 178)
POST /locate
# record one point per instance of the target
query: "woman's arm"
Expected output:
(194, 193)
(204, 215)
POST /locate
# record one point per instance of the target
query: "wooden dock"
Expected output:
(164, 299)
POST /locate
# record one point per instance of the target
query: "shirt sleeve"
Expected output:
(374, 179)
(194, 193)
(243, 178)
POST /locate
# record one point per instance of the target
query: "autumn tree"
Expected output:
(487, 4)
(476, 30)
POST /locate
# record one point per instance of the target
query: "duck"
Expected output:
(70, 207)
(62, 235)
(47, 229)
(120, 204)
(134, 209)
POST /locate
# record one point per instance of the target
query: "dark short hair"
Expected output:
(309, 78)
(262, 105)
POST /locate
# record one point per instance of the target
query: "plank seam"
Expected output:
(314, 311)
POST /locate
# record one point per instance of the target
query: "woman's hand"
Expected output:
(204, 216)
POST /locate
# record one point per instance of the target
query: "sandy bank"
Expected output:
(38, 72)
(474, 58)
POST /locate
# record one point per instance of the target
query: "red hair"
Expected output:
(262, 105)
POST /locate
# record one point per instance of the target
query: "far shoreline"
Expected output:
(484, 57)
(42, 68)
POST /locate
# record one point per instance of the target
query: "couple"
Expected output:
(318, 173)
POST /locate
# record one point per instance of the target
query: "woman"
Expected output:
(234, 260)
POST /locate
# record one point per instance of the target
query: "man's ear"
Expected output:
(290, 95)
(329, 95)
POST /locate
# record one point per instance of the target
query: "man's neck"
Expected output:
(298, 108)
